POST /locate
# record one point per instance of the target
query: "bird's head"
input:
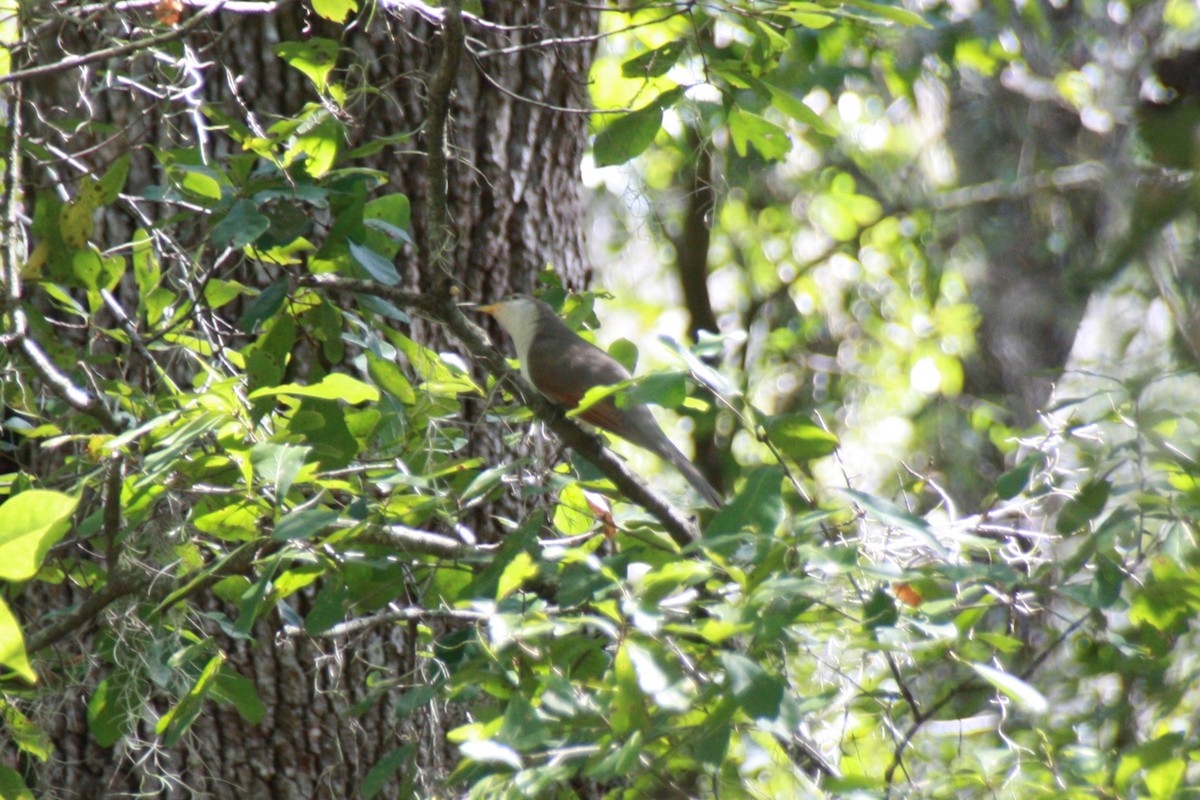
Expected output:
(519, 315)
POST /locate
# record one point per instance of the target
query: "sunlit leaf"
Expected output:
(314, 57)
(30, 524)
(334, 386)
(892, 515)
(335, 10)
(799, 438)
(1029, 698)
(12, 645)
(490, 752)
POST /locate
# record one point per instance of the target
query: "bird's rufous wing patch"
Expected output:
(603, 414)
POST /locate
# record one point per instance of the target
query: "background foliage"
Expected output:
(944, 336)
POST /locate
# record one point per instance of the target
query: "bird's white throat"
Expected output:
(520, 319)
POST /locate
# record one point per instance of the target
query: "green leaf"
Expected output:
(113, 181)
(1013, 482)
(201, 181)
(239, 691)
(484, 482)
(799, 438)
(1106, 589)
(713, 380)
(377, 777)
(618, 762)
(386, 220)
(520, 569)
(75, 223)
(626, 354)
(12, 785)
(758, 505)
(146, 272)
(413, 699)
(628, 713)
(264, 306)
(334, 386)
(378, 267)
(315, 58)
(490, 752)
(1025, 695)
(304, 524)
(30, 524)
(796, 108)
(335, 10)
(758, 693)
(1005, 644)
(892, 515)
(30, 738)
(241, 226)
(12, 645)
(388, 376)
(893, 13)
(712, 743)
(746, 129)
(172, 725)
(253, 600)
(628, 135)
(880, 611)
(1087, 504)
(651, 678)
(110, 710)
(667, 389)
(522, 728)
(655, 63)
(810, 15)
(487, 582)
(441, 378)
(278, 464)
(328, 609)
(319, 144)
(219, 292)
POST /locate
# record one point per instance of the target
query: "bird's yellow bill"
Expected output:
(488, 309)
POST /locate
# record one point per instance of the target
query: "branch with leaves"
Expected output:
(445, 310)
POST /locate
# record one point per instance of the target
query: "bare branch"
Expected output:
(59, 382)
(122, 582)
(407, 614)
(404, 539)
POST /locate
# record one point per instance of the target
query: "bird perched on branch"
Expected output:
(563, 366)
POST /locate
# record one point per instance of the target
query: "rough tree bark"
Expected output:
(515, 134)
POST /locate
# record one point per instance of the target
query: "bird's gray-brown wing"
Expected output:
(566, 373)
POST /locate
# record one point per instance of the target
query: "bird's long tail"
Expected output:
(689, 471)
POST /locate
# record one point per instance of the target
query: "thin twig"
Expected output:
(404, 539)
(72, 62)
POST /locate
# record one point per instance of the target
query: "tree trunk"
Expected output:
(514, 200)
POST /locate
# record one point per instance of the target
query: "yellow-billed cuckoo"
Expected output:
(563, 366)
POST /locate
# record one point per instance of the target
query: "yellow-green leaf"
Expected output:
(334, 386)
(12, 645)
(335, 10)
(520, 569)
(30, 524)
